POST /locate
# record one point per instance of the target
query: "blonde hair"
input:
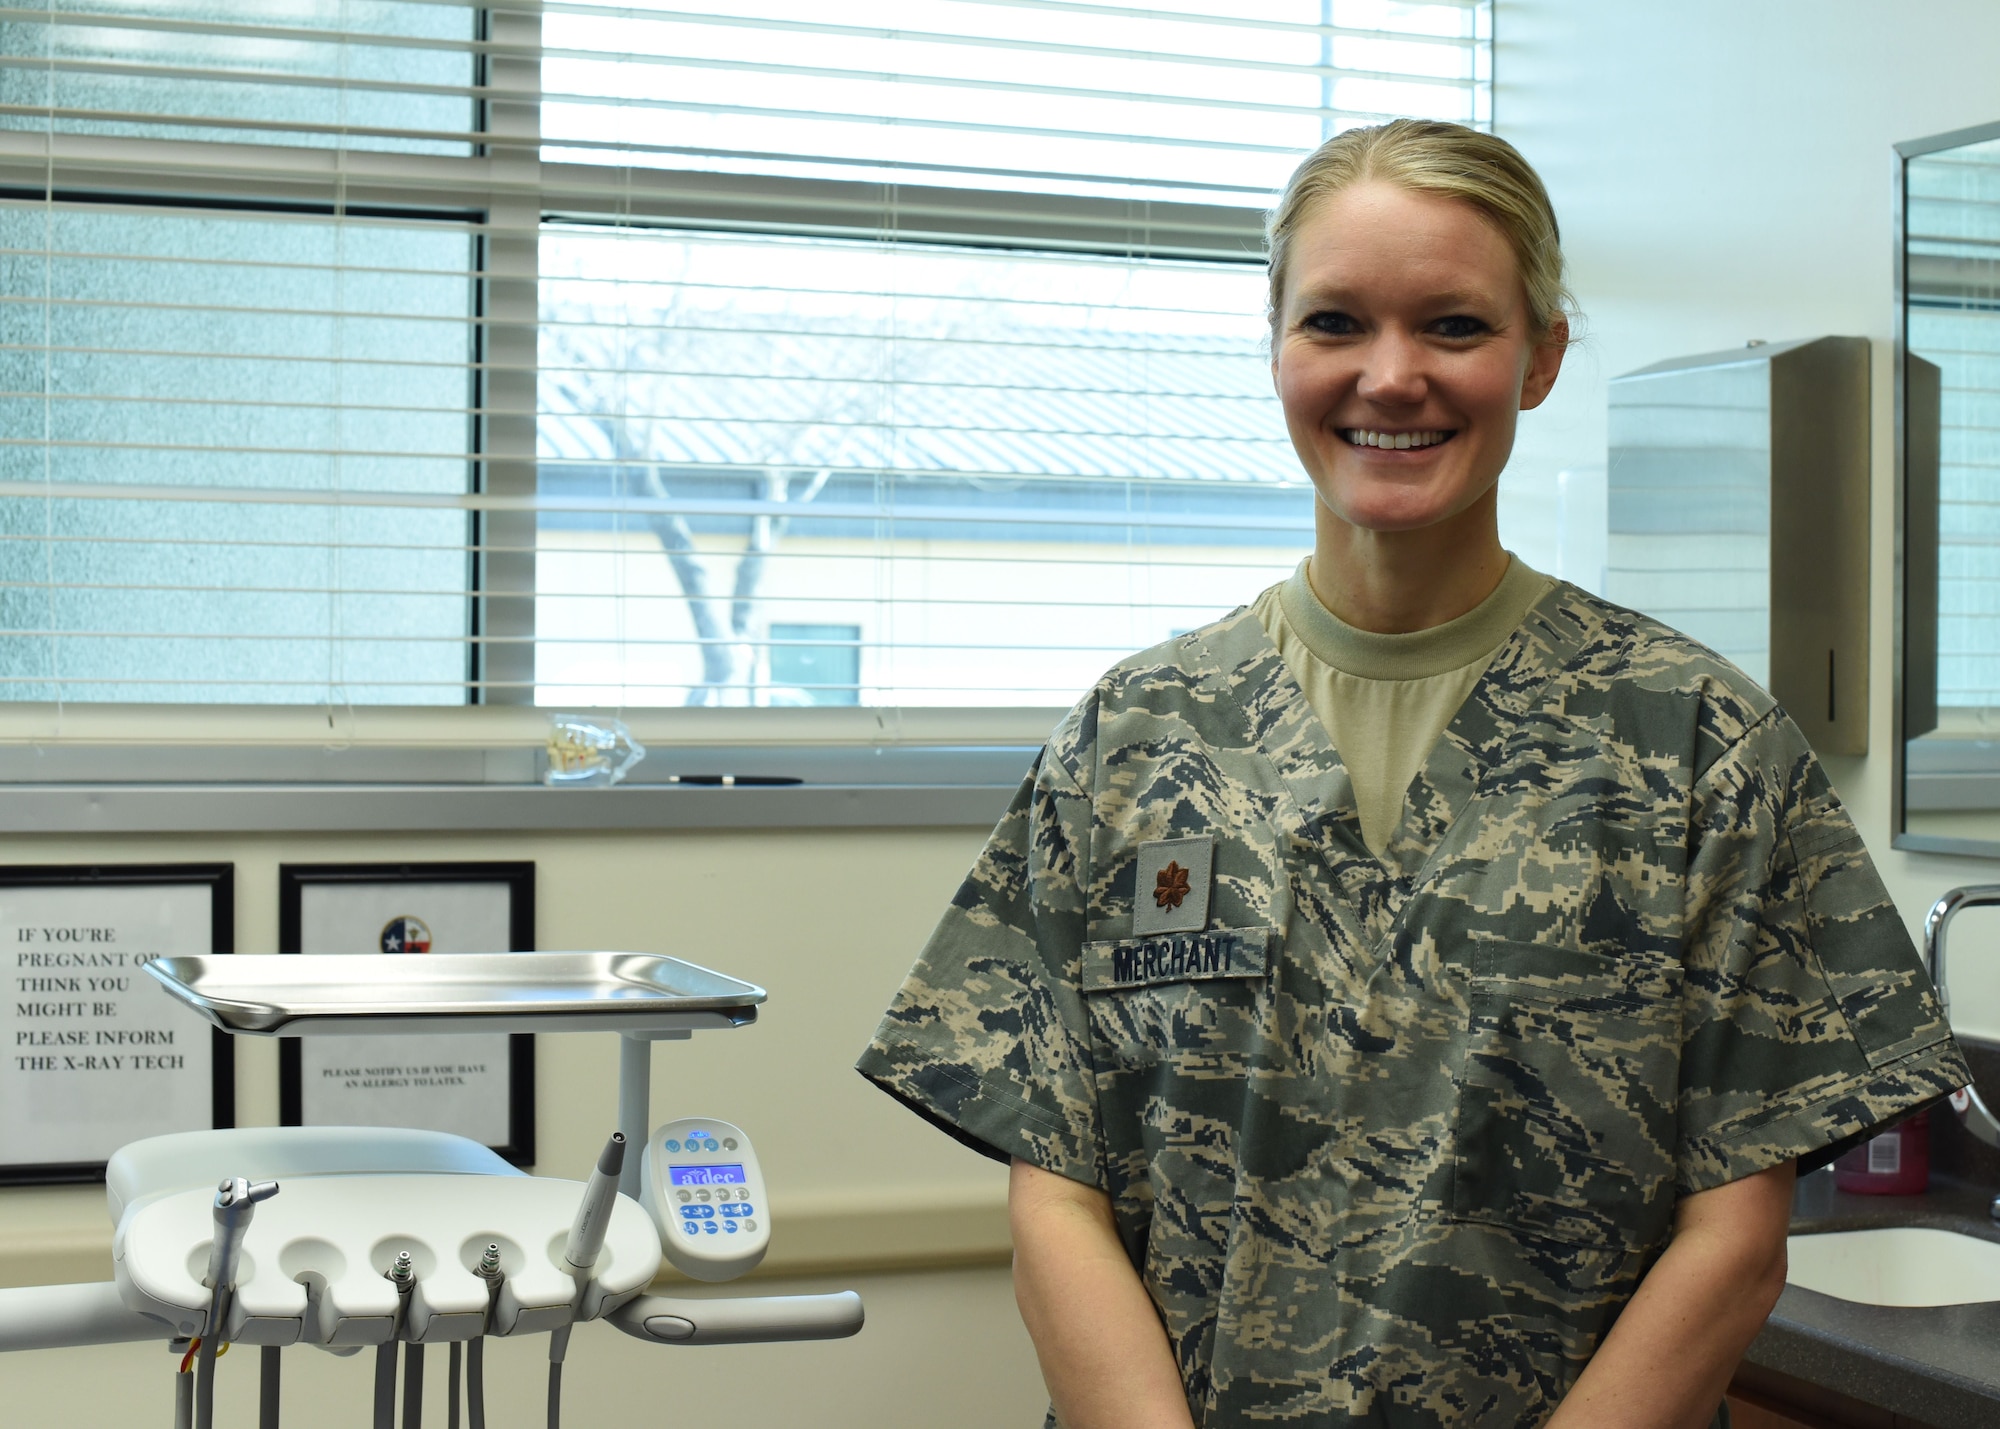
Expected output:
(1429, 156)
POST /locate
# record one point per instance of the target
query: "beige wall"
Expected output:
(1722, 172)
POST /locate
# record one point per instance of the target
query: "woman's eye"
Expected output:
(1459, 327)
(1331, 324)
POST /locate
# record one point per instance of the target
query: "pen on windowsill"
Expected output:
(734, 781)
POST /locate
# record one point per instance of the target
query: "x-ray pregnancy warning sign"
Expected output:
(97, 1054)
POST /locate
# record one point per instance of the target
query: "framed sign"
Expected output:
(97, 1054)
(478, 1084)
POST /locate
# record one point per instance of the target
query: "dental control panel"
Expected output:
(701, 1181)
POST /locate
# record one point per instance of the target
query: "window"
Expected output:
(901, 353)
(815, 664)
(1954, 321)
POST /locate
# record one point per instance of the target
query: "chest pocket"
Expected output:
(1568, 1095)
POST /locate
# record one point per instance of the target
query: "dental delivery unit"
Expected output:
(348, 1237)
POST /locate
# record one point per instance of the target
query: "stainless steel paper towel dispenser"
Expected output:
(1738, 513)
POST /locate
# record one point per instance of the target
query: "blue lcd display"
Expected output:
(708, 1175)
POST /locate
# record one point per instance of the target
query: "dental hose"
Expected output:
(267, 1388)
(452, 1375)
(413, 1387)
(475, 1384)
(488, 1270)
(183, 1395)
(403, 1275)
(204, 1383)
(385, 1385)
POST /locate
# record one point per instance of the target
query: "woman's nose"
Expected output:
(1392, 371)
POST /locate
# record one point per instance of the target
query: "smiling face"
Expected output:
(1403, 356)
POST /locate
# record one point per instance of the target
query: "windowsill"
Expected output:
(180, 768)
(505, 726)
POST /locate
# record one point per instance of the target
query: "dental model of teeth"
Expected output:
(1393, 441)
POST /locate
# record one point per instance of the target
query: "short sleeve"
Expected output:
(1807, 1017)
(988, 1035)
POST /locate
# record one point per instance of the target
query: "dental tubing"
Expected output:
(267, 1387)
(488, 1270)
(403, 1275)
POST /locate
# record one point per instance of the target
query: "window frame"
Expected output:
(139, 768)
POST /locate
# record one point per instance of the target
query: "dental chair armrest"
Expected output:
(50, 1317)
(661, 1320)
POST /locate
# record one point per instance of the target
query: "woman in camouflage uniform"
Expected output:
(1407, 1000)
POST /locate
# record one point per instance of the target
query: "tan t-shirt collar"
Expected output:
(1419, 654)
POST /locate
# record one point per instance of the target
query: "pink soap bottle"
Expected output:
(1896, 1163)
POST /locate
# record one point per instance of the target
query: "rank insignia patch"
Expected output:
(1170, 887)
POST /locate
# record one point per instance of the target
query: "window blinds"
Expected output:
(414, 352)
(1170, 101)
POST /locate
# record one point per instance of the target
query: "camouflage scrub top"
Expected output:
(1392, 1141)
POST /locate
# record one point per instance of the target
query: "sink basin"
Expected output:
(1897, 1265)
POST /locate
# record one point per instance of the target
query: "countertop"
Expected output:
(1940, 1365)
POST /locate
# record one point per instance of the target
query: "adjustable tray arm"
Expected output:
(749, 1320)
(51, 1317)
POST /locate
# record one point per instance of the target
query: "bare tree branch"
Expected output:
(765, 533)
(725, 627)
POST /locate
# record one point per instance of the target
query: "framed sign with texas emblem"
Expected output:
(478, 1084)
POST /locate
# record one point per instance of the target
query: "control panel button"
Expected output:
(749, 1225)
(728, 1143)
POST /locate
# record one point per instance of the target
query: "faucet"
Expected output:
(1966, 1101)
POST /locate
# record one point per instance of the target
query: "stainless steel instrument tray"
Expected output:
(308, 994)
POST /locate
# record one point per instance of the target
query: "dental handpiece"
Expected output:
(235, 1203)
(586, 1239)
(593, 1217)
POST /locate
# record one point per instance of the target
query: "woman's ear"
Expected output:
(1544, 363)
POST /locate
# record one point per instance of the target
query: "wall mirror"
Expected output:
(1948, 430)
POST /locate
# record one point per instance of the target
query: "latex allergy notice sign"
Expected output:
(96, 1053)
(456, 1083)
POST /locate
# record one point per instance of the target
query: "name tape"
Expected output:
(1177, 957)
